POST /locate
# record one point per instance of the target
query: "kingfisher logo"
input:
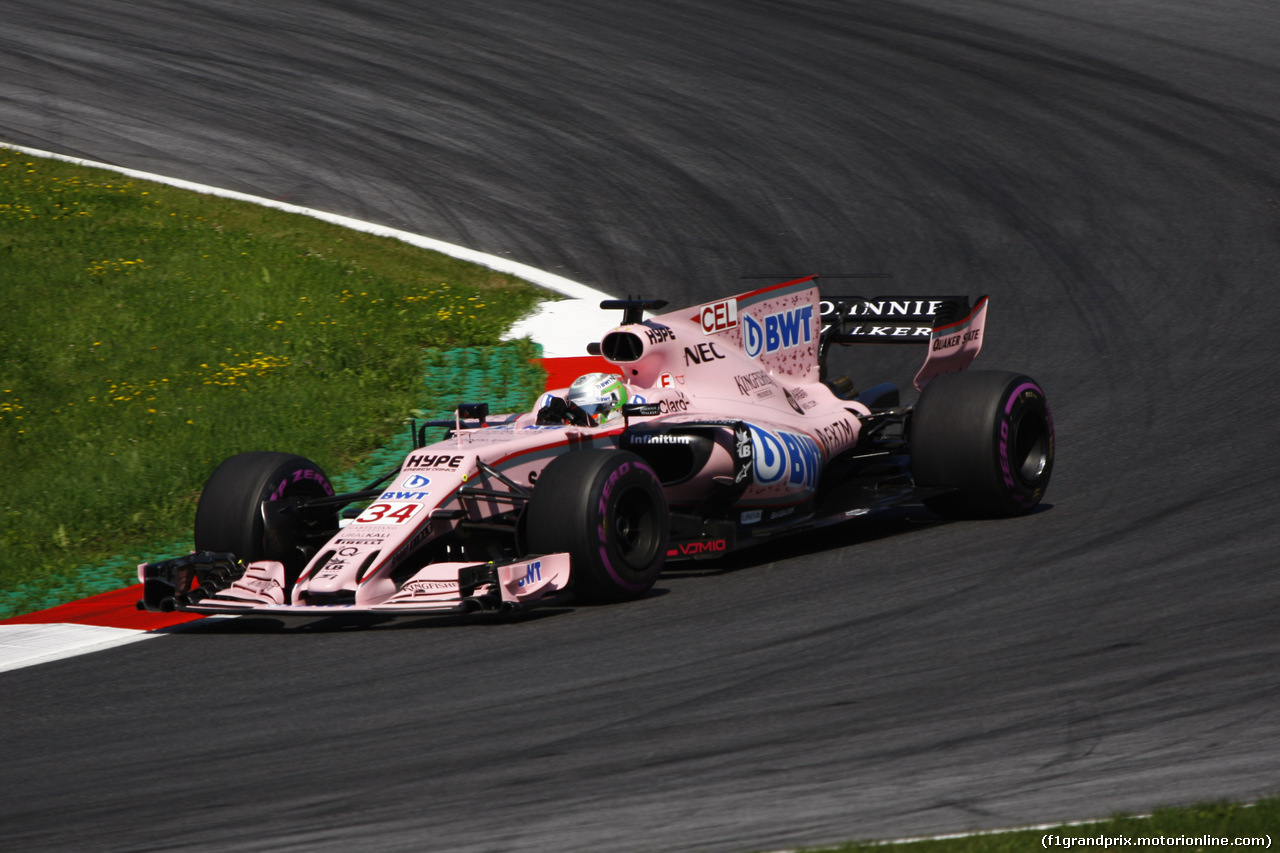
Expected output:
(785, 457)
(778, 331)
(428, 587)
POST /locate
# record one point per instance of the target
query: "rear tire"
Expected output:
(986, 435)
(229, 514)
(607, 509)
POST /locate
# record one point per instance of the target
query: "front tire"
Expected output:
(607, 509)
(988, 437)
(229, 516)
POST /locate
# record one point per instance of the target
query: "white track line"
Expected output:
(561, 328)
(28, 645)
(542, 278)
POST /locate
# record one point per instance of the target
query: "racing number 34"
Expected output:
(388, 513)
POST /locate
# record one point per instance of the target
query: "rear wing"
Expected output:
(950, 327)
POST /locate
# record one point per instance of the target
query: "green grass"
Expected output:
(149, 332)
(1197, 827)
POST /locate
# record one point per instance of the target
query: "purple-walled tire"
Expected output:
(986, 435)
(607, 509)
(229, 515)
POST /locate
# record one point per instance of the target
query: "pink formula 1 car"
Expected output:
(718, 431)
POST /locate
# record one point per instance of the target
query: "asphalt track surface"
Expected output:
(1105, 170)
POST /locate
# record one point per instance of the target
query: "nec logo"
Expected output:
(701, 354)
(779, 331)
(718, 316)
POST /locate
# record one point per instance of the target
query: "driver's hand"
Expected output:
(557, 411)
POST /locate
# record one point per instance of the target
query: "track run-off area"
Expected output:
(1104, 171)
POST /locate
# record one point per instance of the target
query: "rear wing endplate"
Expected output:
(950, 327)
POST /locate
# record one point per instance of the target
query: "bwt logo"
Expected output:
(779, 331)
(417, 481)
(786, 456)
(532, 575)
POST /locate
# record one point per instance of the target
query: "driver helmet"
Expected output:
(600, 395)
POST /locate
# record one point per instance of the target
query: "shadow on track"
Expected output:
(250, 624)
(887, 524)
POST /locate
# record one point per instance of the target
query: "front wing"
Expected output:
(219, 583)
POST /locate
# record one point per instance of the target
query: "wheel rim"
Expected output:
(1030, 446)
(295, 559)
(634, 527)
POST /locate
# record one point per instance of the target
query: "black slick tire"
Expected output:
(988, 437)
(229, 515)
(607, 509)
